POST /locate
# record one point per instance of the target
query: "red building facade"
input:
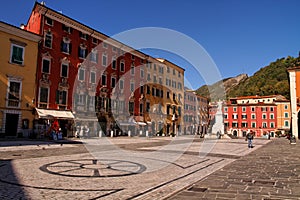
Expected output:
(84, 75)
(244, 114)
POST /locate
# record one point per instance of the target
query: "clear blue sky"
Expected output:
(241, 36)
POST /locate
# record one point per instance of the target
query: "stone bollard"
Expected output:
(111, 133)
(100, 133)
(147, 133)
(129, 133)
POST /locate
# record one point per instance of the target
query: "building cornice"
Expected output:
(13, 30)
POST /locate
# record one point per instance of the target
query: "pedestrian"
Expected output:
(249, 138)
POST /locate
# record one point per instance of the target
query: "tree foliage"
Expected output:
(269, 80)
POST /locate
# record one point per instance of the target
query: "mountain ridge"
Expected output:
(268, 80)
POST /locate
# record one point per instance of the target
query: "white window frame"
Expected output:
(48, 35)
(61, 67)
(104, 60)
(11, 79)
(14, 61)
(81, 69)
(48, 59)
(39, 100)
(95, 75)
(122, 64)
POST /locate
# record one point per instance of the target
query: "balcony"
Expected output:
(13, 103)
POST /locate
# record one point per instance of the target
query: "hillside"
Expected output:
(269, 80)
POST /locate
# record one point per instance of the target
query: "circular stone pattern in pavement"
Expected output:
(93, 168)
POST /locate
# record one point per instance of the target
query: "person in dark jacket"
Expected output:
(249, 138)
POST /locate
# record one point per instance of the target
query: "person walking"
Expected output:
(249, 138)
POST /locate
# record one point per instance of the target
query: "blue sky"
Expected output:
(240, 36)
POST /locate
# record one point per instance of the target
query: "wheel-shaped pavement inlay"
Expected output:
(100, 168)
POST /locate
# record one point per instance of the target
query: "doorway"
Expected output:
(11, 124)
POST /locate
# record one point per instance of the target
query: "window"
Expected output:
(252, 116)
(81, 74)
(132, 87)
(253, 125)
(82, 51)
(14, 94)
(114, 63)
(61, 97)
(286, 114)
(272, 125)
(286, 123)
(244, 109)
(132, 57)
(225, 109)
(174, 72)
(168, 94)
(43, 97)
(46, 66)
(148, 89)
(253, 109)
(244, 125)
(66, 28)
(121, 84)
(271, 109)
(132, 70)
(264, 125)
(234, 124)
(271, 116)
(17, 54)
(114, 49)
(148, 77)
(141, 107)
(93, 77)
(142, 73)
(105, 45)
(148, 107)
(48, 40)
(142, 89)
(113, 82)
(122, 66)
(49, 21)
(104, 60)
(264, 116)
(83, 36)
(131, 107)
(94, 56)
(285, 107)
(103, 79)
(244, 116)
(66, 46)
(168, 69)
(225, 116)
(64, 70)
(95, 41)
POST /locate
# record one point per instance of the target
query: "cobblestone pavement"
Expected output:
(142, 168)
(271, 172)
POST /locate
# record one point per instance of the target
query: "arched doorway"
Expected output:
(235, 133)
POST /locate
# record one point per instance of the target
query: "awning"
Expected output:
(62, 114)
(141, 123)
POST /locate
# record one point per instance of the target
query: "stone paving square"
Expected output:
(122, 168)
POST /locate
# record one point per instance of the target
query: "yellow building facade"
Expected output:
(283, 115)
(18, 60)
